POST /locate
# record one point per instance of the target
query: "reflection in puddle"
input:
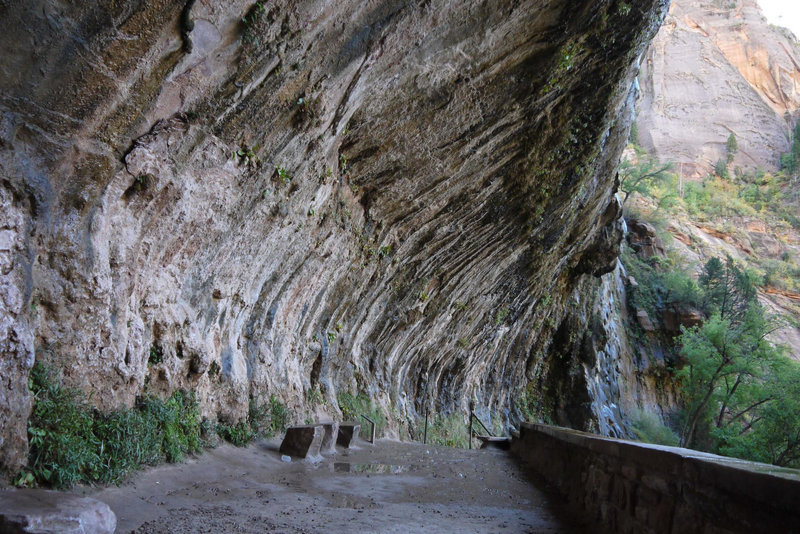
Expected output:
(386, 469)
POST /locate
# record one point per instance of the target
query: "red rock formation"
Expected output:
(714, 70)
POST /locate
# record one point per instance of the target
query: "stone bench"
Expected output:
(348, 432)
(329, 437)
(310, 440)
(303, 441)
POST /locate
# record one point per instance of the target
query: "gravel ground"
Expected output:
(385, 488)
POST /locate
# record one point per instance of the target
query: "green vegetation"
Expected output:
(246, 155)
(239, 434)
(501, 315)
(354, 406)
(252, 22)
(731, 147)
(70, 442)
(155, 356)
(715, 197)
(143, 181)
(650, 429)
(644, 176)
(448, 431)
(790, 162)
(283, 174)
(263, 421)
(526, 404)
(718, 200)
(662, 282)
(742, 395)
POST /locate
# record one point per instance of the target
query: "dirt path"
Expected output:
(386, 488)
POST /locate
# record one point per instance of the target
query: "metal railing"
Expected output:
(372, 432)
(472, 419)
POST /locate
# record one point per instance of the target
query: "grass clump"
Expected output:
(71, 442)
(449, 431)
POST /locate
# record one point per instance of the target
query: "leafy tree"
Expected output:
(741, 394)
(641, 177)
(725, 378)
(765, 426)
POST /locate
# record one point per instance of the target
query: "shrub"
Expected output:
(71, 442)
(239, 434)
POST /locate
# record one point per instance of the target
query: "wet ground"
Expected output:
(386, 488)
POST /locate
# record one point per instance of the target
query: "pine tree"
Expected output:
(732, 147)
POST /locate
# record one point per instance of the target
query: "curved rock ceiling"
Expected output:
(400, 198)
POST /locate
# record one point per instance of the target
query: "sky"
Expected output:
(783, 13)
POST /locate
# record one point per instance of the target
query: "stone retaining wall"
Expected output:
(628, 487)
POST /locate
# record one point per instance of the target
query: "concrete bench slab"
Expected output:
(303, 441)
(348, 432)
(329, 437)
(42, 511)
(495, 442)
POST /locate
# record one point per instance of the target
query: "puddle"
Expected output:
(384, 469)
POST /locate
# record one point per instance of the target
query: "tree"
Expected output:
(726, 378)
(642, 176)
(741, 394)
(728, 290)
(770, 430)
(731, 147)
(721, 169)
(790, 162)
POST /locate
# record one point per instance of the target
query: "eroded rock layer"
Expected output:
(402, 198)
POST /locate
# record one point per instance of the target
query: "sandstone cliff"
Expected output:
(717, 68)
(412, 199)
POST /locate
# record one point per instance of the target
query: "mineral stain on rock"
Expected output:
(331, 197)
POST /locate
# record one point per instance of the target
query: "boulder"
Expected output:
(303, 441)
(43, 511)
(644, 320)
(644, 240)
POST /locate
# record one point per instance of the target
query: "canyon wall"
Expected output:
(718, 68)
(412, 200)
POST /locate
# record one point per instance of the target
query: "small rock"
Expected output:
(644, 320)
(285, 458)
(46, 512)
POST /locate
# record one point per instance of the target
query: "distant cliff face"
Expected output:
(297, 198)
(717, 68)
